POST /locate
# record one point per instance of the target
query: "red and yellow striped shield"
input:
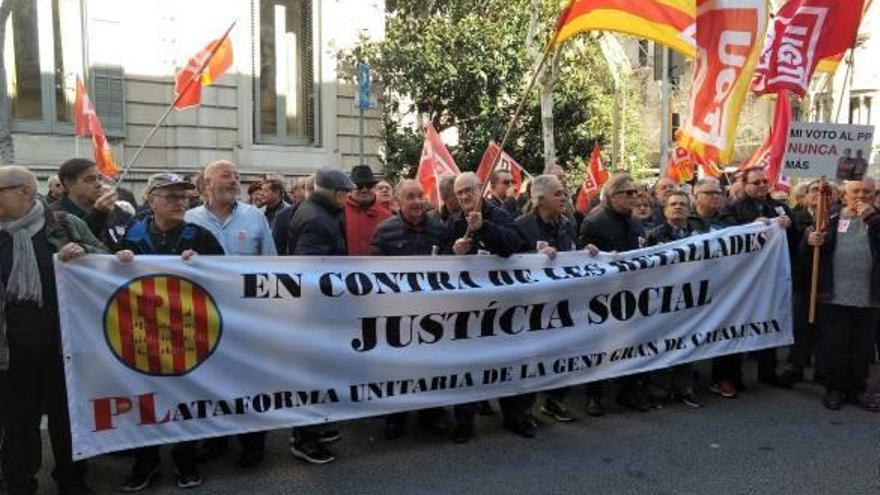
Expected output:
(162, 325)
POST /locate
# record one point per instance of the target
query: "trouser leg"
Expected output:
(397, 419)
(557, 395)
(515, 409)
(252, 442)
(145, 459)
(23, 450)
(184, 456)
(800, 352)
(66, 471)
(766, 364)
(727, 369)
(835, 323)
(464, 413)
(860, 349)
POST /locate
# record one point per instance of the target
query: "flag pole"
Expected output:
(196, 77)
(820, 220)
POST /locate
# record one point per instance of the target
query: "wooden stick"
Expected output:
(820, 227)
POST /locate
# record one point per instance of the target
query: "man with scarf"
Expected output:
(31, 367)
(164, 231)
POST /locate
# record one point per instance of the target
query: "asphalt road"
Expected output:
(766, 441)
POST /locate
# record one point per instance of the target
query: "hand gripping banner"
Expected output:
(160, 350)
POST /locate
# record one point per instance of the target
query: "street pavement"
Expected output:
(767, 441)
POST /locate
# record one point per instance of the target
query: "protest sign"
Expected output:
(837, 151)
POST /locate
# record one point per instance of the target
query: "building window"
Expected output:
(860, 110)
(644, 52)
(43, 52)
(284, 95)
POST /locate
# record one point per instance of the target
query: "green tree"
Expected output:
(464, 63)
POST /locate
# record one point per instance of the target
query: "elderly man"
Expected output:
(612, 228)
(501, 194)
(85, 197)
(273, 199)
(385, 195)
(849, 290)
(547, 230)
(708, 213)
(164, 231)
(56, 190)
(676, 383)
(447, 196)
(316, 230)
(662, 189)
(31, 367)
(755, 205)
(296, 189)
(241, 229)
(410, 232)
(362, 211)
(480, 228)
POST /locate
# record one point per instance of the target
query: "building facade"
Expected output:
(287, 105)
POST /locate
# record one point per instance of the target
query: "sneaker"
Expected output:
(189, 480)
(485, 409)
(832, 400)
(462, 433)
(556, 411)
(690, 399)
(329, 436)
(140, 479)
(315, 453)
(594, 408)
(724, 389)
(866, 401)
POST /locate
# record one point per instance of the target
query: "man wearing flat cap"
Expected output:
(363, 213)
(316, 229)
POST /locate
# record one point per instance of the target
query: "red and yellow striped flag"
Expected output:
(668, 22)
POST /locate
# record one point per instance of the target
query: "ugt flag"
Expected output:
(435, 162)
(202, 70)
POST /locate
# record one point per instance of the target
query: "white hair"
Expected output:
(541, 187)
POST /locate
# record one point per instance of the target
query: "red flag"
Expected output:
(681, 166)
(600, 175)
(803, 33)
(216, 58)
(435, 162)
(104, 160)
(83, 111)
(729, 36)
(770, 154)
(588, 190)
(504, 163)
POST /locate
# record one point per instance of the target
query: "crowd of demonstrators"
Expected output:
(332, 213)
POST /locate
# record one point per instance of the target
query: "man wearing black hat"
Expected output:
(362, 212)
(164, 231)
(316, 230)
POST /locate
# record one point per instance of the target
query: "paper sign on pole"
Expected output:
(837, 151)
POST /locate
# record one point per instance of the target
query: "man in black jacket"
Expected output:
(31, 367)
(546, 229)
(611, 228)
(708, 213)
(85, 197)
(755, 205)
(480, 228)
(164, 231)
(316, 229)
(410, 232)
(501, 191)
(849, 291)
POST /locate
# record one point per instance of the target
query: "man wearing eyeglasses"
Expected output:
(164, 231)
(363, 213)
(755, 205)
(501, 192)
(480, 228)
(612, 228)
(708, 214)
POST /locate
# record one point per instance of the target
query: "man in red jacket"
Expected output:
(362, 212)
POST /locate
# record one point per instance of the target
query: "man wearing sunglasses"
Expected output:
(755, 205)
(612, 228)
(501, 191)
(363, 213)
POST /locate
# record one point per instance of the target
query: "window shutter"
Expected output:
(308, 71)
(108, 94)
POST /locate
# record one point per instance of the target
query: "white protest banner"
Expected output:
(160, 350)
(837, 151)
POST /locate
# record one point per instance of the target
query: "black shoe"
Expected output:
(594, 408)
(832, 400)
(251, 459)
(556, 411)
(315, 453)
(189, 479)
(139, 479)
(462, 433)
(393, 431)
(690, 399)
(524, 429)
(485, 409)
(329, 436)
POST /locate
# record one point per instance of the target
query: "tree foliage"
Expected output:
(464, 63)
